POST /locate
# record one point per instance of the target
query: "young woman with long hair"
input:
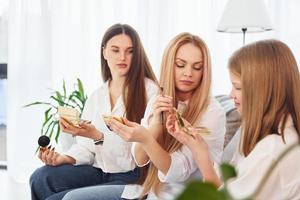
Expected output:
(186, 80)
(101, 157)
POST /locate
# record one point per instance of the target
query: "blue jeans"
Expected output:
(101, 192)
(52, 183)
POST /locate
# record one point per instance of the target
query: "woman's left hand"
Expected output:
(130, 132)
(85, 129)
(192, 139)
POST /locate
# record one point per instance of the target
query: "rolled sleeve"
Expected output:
(134, 158)
(182, 166)
(83, 151)
(81, 155)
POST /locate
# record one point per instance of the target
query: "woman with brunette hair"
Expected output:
(101, 157)
(265, 88)
(186, 79)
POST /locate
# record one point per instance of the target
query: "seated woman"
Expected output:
(186, 78)
(101, 157)
(265, 88)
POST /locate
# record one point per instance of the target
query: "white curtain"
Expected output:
(52, 40)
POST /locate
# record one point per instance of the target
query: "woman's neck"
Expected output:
(183, 96)
(117, 82)
(115, 90)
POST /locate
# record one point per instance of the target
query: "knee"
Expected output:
(100, 192)
(73, 195)
(36, 175)
(40, 175)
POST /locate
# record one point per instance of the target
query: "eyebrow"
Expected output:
(114, 46)
(199, 62)
(236, 83)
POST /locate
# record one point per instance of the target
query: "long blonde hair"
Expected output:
(270, 90)
(197, 103)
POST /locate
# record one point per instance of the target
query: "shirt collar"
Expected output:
(182, 105)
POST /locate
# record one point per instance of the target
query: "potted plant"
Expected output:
(75, 99)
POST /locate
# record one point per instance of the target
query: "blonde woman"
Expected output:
(265, 88)
(186, 79)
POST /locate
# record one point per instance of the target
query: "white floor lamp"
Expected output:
(244, 16)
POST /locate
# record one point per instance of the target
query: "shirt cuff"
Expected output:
(80, 154)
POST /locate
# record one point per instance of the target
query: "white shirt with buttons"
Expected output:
(183, 167)
(114, 155)
(284, 182)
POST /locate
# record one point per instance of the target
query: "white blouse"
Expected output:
(284, 182)
(114, 155)
(183, 168)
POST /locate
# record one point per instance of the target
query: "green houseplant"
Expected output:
(75, 99)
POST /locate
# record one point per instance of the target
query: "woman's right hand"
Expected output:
(162, 103)
(129, 131)
(53, 158)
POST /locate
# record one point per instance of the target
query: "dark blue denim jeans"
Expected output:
(52, 183)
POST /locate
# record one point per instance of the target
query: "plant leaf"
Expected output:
(225, 195)
(77, 104)
(46, 115)
(227, 171)
(52, 129)
(57, 134)
(48, 127)
(59, 96)
(80, 87)
(197, 190)
(77, 96)
(46, 121)
(64, 88)
(36, 103)
(60, 102)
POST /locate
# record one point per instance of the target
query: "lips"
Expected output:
(122, 65)
(236, 104)
(186, 82)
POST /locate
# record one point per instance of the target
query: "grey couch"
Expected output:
(233, 122)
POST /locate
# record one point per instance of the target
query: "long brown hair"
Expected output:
(270, 90)
(197, 104)
(134, 91)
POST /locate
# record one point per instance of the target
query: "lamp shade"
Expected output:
(245, 14)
